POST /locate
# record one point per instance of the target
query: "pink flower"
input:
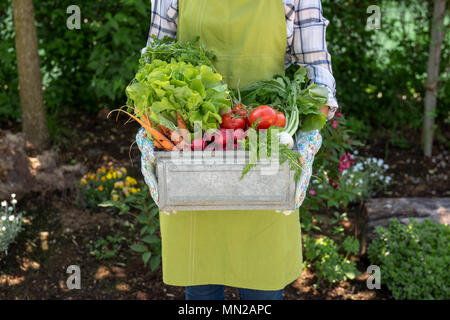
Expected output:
(334, 124)
(312, 192)
(346, 162)
(338, 114)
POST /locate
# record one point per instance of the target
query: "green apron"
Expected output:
(258, 250)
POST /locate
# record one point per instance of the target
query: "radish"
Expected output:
(198, 144)
(286, 139)
(238, 134)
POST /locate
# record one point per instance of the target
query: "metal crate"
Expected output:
(212, 181)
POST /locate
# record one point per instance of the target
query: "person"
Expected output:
(257, 251)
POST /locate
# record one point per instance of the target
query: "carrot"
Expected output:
(180, 122)
(166, 131)
(157, 144)
(158, 136)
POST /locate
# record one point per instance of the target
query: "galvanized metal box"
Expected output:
(212, 181)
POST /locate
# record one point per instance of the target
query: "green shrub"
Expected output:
(414, 259)
(81, 69)
(323, 255)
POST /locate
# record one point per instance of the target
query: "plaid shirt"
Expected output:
(306, 42)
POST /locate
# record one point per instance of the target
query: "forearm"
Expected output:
(307, 47)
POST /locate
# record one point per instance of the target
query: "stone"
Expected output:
(380, 211)
(22, 174)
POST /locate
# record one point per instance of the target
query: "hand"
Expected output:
(324, 110)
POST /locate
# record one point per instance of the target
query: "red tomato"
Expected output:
(281, 120)
(228, 122)
(242, 112)
(266, 116)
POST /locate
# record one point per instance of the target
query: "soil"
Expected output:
(58, 233)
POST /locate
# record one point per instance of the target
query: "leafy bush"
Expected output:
(323, 254)
(10, 223)
(107, 248)
(81, 69)
(113, 188)
(414, 259)
(150, 244)
(359, 179)
(380, 74)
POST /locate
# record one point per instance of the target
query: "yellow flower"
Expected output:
(118, 185)
(115, 197)
(138, 189)
(103, 170)
(114, 175)
(103, 178)
(109, 176)
(133, 190)
(131, 180)
(100, 188)
(123, 170)
(119, 174)
(83, 181)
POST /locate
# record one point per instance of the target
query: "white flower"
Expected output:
(380, 162)
(3, 218)
(13, 201)
(11, 218)
(360, 181)
(4, 228)
(13, 195)
(10, 208)
(355, 152)
(386, 166)
(4, 203)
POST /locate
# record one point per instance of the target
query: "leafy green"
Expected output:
(285, 154)
(293, 97)
(167, 49)
(196, 92)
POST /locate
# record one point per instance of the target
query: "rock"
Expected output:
(379, 212)
(22, 174)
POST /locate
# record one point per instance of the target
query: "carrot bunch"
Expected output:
(163, 138)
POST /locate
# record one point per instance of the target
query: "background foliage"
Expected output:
(414, 259)
(379, 73)
(82, 69)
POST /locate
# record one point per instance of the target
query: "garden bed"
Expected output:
(58, 233)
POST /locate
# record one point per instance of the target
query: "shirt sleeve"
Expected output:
(164, 19)
(307, 46)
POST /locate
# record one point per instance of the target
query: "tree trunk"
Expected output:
(434, 60)
(34, 124)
